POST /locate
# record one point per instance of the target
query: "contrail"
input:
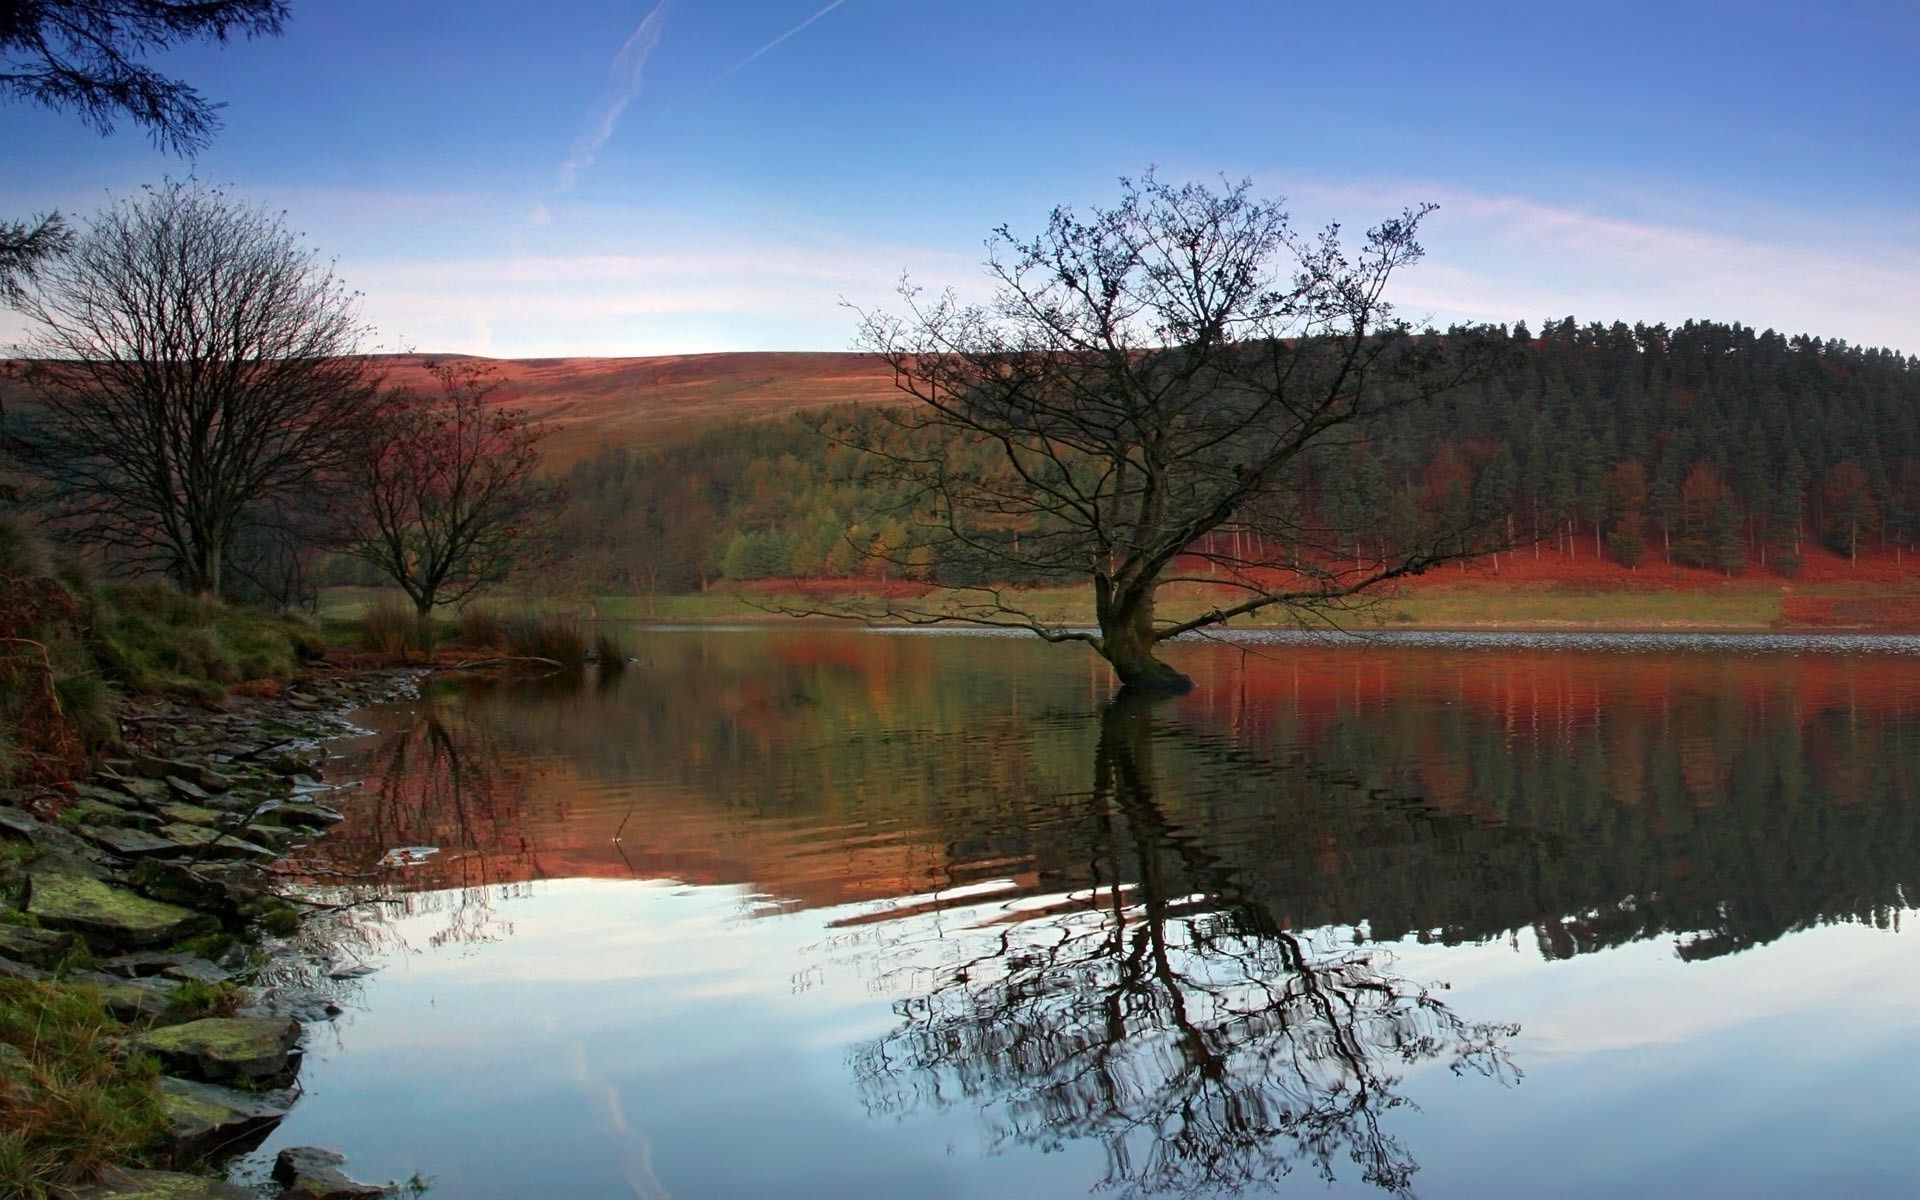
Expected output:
(623, 84)
(783, 37)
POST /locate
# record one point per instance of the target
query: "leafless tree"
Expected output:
(446, 491)
(1156, 392)
(192, 367)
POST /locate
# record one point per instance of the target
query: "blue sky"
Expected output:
(600, 177)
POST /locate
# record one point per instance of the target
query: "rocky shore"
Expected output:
(148, 882)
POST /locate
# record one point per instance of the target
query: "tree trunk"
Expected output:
(1127, 640)
(204, 570)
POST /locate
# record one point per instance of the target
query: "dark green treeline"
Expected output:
(1709, 445)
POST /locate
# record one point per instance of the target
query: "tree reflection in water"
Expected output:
(443, 781)
(1163, 1012)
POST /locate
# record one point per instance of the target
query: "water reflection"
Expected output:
(1167, 941)
(1163, 1012)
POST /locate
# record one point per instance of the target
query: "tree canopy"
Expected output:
(197, 382)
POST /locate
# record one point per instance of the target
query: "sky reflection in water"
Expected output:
(918, 916)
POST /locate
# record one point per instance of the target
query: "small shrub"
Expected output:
(537, 635)
(389, 627)
(608, 654)
(22, 554)
(482, 627)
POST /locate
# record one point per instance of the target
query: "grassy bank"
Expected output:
(69, 645)
(77, 1099)
(1476, 603)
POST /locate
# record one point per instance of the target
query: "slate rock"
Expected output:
(19, 824)
(131, 843)
(141, 965)
(214, 843)
(9, 969)
(144, 791)
(191, 814)
(61, 897)
(196, 970)
(35, 947)
(309, 1173)
(250, 1050)
(186, 787)
(205, 1117)
(132, 999)
(225, 889)
(152, 766)
(95, 814)
(300, 814)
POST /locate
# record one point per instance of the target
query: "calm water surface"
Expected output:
(835, 913)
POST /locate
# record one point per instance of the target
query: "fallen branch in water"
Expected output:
(478, 663)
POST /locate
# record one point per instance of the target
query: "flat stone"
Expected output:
(300, 814)
(272, 836)
(186, 787)
(192, 814)
(96, 814)
(134, 999)
(224, 1049)
(224, 889)
(147, 791)
(196, 969)
(141, 965)
(309, 1173)
(63, 898)
(152, 766)
(18, 823)
(35, 947)
(203, 1117)
(213, 842)
(9, 969)
(130, 843)
(159, 1185)
(94, 793)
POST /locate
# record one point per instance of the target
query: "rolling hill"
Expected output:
(593, 402)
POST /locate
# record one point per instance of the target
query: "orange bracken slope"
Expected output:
(593, 402)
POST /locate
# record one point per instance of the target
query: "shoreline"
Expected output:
(149, 886)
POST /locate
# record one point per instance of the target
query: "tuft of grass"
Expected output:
(157, 639)
(73, 1101)
(546, 635)
(608, 654)
(194, 999)
(389, 626)
(482, 627)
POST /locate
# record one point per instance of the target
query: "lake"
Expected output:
(827, 912)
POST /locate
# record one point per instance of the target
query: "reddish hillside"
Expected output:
(631, 401)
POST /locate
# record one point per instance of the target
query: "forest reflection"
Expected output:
(1581, 799)
(1164, 929)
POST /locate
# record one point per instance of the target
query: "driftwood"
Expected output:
(504, 660)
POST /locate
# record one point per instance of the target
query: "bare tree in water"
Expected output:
(1160, 392)
(1169, 1017)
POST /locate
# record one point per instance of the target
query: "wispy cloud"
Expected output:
(1493, 257)
(783, 37)
(685, 292)
(623, 84)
